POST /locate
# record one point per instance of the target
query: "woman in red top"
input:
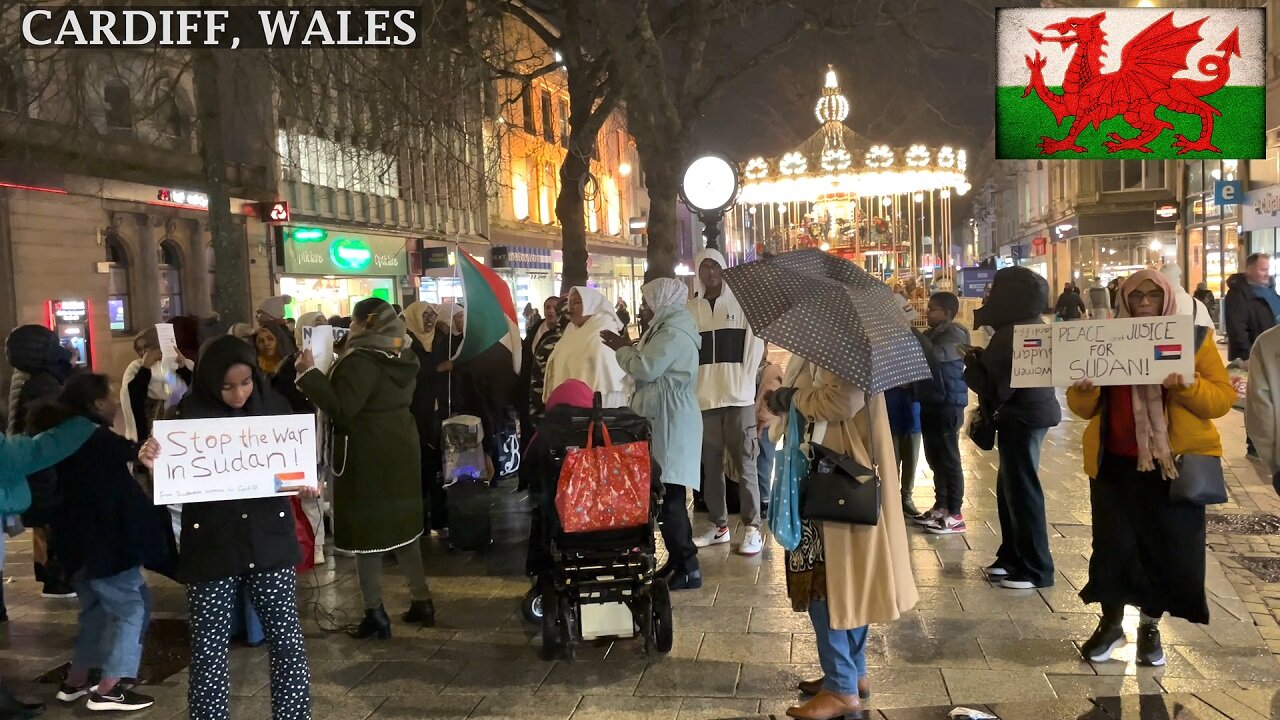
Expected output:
(1148, 552)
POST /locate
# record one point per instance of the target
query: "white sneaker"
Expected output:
(714, 536)
(752, 542)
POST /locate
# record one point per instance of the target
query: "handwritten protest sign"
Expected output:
(1032, 356)
(1124, 351)
(234, 458)
(168, 343)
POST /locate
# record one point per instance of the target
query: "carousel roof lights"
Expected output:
(836, 161)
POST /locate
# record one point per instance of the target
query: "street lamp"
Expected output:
(709, 188)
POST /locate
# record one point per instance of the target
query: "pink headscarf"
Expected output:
(573, 393)
(1150, 423)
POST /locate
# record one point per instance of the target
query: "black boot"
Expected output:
(11, 708)
(4, 612)
(421, 611)
(375, 622)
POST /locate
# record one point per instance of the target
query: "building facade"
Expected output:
(103, 222)
(530, 129)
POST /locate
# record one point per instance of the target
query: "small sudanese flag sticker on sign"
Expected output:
(1151, 83)
(1168, 352)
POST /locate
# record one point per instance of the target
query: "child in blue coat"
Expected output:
(19, 457)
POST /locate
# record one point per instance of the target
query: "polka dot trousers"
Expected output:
(211, 607)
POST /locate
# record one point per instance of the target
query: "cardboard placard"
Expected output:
(1123, 351)
(234, 458)
(1032, 356)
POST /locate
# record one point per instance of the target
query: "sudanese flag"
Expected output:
(488, 312)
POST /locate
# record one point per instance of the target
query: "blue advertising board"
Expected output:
(974, 281)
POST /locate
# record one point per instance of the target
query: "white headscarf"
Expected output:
(307, 320)
(582, 355)
(663, 292)
(595, 303)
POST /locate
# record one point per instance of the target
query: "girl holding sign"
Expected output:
(1148, 550)
(231, 544)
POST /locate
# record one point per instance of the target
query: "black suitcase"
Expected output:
(470, 524)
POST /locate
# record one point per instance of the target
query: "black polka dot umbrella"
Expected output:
(832, 313)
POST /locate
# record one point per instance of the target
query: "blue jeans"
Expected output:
(764, 465)
(842, 653)
(114, 614)
(245, 620)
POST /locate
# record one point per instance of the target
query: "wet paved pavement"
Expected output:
(739, 649)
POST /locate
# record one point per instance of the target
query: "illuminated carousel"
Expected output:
(886, 208)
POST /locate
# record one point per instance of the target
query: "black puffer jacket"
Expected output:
(1017, 297)
(35, 350)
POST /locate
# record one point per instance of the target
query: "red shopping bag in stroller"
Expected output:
(605, 487)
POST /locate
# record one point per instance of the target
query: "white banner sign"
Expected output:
(234, 458)
(1032, 356)
(1123, 351)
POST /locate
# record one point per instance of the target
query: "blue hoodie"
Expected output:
(21, 456)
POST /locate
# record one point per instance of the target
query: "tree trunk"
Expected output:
(571, 212)
(230, 271)
(662, 184)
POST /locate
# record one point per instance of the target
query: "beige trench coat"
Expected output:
(868, 568)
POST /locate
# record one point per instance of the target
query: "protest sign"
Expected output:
(168, 343)
(319, 340)
(234, 458)
(1032, 356)
(1123, 351)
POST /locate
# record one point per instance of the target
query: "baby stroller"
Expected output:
(589, 585)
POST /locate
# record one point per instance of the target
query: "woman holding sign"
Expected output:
(229, 544)
(1148, 550)
(377, 494)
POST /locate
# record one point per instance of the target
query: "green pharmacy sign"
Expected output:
(350, 254)
(312, 251)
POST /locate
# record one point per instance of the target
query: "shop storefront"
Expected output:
(529, 273)
(330, 270)
(440, 283)
(1110, 246)
(1214, 251)
(1260, 217)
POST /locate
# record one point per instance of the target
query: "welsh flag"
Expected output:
(488, 312)
(1130, 83)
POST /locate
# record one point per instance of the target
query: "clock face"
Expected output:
(710, 183)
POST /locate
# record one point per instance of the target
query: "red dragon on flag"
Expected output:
(1144, 83)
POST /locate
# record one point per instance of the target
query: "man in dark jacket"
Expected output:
(1022, 416)
(1252, 306)
(1070, 305)
(942, 401)
(35, 351)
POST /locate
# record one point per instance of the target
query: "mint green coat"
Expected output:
(664, 366)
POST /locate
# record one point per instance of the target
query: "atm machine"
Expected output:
(69, 319)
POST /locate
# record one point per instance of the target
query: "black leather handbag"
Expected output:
(1200, 481)
(839, 489)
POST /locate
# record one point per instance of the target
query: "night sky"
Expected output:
(918, 71)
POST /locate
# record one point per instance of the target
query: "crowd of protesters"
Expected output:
(716, 403)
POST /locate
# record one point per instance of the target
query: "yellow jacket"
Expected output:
(1190, 411)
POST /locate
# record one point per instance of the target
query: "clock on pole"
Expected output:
(709, 188)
